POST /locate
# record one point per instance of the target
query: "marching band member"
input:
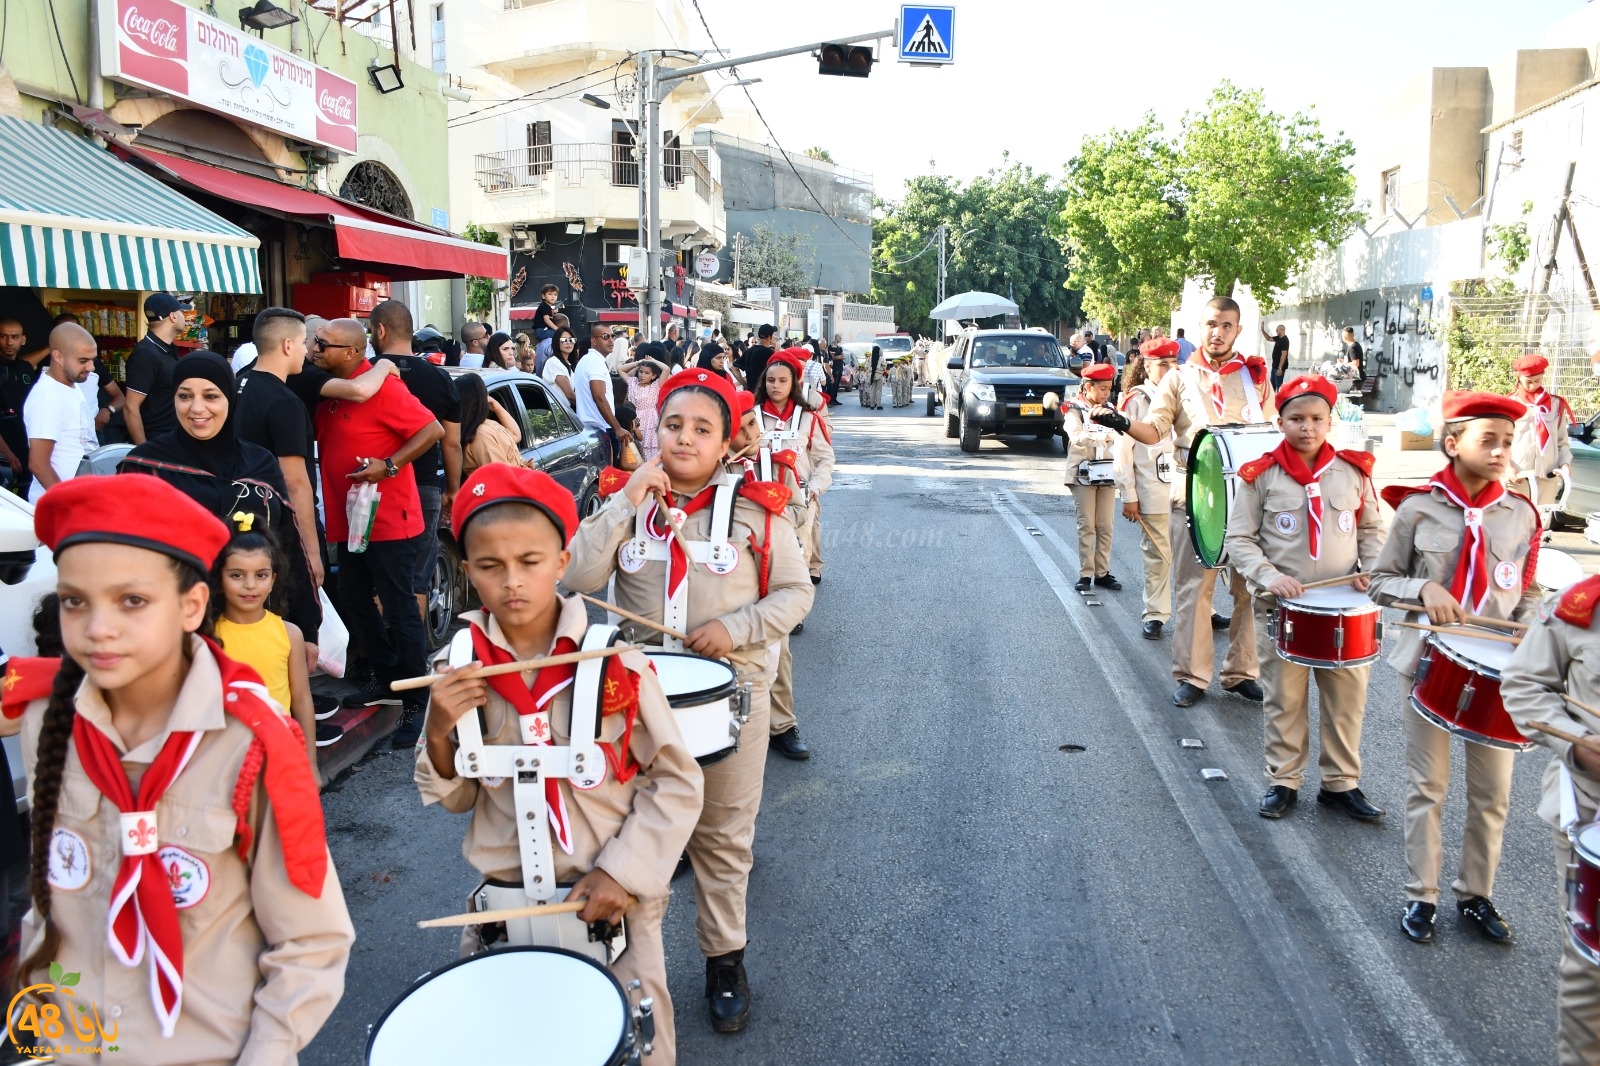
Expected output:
(1095, 503)
(750, 591)
(790, 423)
(752, 459)
(1215, 387)
(1460, 545)
(198, 870)
(1542, 450)
(1303, 513)
(1144, 478)
(1560, 655)
(623, 836)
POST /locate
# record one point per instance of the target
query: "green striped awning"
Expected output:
(72, 216)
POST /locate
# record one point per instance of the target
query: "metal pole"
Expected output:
(645, 66)
(943, 228)
(673, 76)
(652, 140)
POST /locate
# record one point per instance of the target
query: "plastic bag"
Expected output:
(1415, 421)
(333, 638)
(361, 511)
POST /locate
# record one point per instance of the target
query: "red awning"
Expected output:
(403, 249)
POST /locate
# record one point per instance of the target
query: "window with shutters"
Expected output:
(624, 159)
(539, 157)
(436, 27)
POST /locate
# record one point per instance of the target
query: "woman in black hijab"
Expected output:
(205, 460)
(714, 359)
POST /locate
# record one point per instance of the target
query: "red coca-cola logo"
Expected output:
(338, 107)
(160, 33)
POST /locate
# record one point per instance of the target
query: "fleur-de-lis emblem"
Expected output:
(539, 729)
(611, 686)
(175, 877)
(12, 678)
(143, 833)
(478, 489)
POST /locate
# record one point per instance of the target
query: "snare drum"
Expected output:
(1458, 690)
(1583, 893)
(706, 700)
(1328, 628)
(554, 1006)
(1212, 481)
(1097, 472)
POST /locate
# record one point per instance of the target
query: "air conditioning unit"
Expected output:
(638, 268)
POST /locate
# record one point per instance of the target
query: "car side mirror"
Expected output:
(1584, 433)
(955, 363)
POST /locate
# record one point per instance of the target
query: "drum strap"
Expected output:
(652, 540)
(1470, 586)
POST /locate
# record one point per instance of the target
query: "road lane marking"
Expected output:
(1404, 1011)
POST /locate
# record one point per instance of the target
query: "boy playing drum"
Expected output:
(1096, 501)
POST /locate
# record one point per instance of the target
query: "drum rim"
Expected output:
(1327, 664)
(1469, 735)
(1300, 607)
(627, 1020)
(1200, 437)
(1436, 640)
(700, 697)
(1575, 837)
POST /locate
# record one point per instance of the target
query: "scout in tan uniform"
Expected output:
(193, 880)
(1303, 513)
(1144, 477)
(1215, 387)
(1543, 448)
(790, 425)
(1091, 476)
(1561, 655)
(752, 459)
(1460, 545)
(747, 589)
(626, 834)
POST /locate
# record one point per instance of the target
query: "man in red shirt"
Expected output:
(375, 442)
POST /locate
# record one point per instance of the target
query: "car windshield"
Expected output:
(894, 344)
(1041, 352)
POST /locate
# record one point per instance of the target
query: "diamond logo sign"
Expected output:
(255, 61)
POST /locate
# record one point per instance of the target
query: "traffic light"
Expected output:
(845, 60)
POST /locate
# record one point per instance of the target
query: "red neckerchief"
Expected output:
(1308, 478)
(1470, 586)
(1255, 364)
(781, 416)
(658, 527)
(1545, 402)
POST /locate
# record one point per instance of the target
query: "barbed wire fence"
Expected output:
(1488, 329)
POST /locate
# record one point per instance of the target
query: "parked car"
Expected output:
(1584, 499)
(1003, 382)
(27, 572)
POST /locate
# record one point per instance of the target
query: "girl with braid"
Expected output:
(176, 825)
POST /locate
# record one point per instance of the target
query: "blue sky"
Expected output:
(1034, 77)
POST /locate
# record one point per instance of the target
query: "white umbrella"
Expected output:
(974, 305)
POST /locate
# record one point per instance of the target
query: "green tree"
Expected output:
(822, 155)
(784, 260)
(480, 291)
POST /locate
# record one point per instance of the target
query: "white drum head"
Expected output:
(510, 1006)
(1588, 839)
(1240, 444)
(683, 674)
(1334, 598)
(1488, 653)
(1556, 570)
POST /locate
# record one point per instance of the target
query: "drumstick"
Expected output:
(1559, 734)
(571, 906)
(1461, 631)
(1475, 619)
(407, 683)
(1329, 582)
(657, 626)
(677, 528)
(1581, 705)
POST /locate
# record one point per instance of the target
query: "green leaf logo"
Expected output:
(68, 979)
(55, 973)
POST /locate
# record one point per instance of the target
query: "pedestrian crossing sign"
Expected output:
(927, 34)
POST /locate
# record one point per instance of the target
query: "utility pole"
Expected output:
(738, 248)
(944, 227)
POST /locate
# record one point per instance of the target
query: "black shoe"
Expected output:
(328, 733)
(816, 579)
(1278, 800)
(1084, 584)
(1480, 911)
(1246, 689)
(1152, 630)
(789, 745)
(799, 627)
(1109, 581)
(371, 696)
(1188, 695)
(1417, 922)
(729, 992)
(1220, 621)
(324, 707)
(409, 729)
(1352, 803)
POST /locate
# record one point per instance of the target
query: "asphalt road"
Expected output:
(945, 882)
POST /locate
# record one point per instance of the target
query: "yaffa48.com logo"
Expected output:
(60, 1029)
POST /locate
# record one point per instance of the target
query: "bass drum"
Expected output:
(1212, 481)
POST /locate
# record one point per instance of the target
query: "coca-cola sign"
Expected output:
(171, 48)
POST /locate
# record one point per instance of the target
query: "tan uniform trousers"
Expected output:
(811, 539)
(1193, 653)
(782, 719)
(1340, 712)
(1155, 546)
(1097, 511)
(1578, 1001)
(720, 847)
(1488, 800)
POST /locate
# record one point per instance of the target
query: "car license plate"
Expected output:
(1032, 410)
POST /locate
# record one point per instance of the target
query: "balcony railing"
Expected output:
(576, 165)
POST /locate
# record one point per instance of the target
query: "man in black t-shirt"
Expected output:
(1279, 363)
(754, 364)
(17, 376)
(149, 383)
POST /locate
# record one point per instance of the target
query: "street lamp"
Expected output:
(386, 79)
(265, 15)
(594, 101)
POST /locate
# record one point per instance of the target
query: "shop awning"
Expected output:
(616, 315)
(74, 217)
(404, 250)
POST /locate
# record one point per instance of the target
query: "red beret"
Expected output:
(1159, 348)
(1307, 385)
(707, 379)
(1098, 372)
(135, 509)
(1459, 405)
(746, 401)
(1530, 363)
(494, 483)
(794, 359)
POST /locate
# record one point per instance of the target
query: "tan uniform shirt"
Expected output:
(1425, 541)
(1269, 527)
(812, 446)
(263, 962)
(1525, 454)
(1556, 657)
(1085, 439)
(796, 511)
(1137, 464)
(753, 622)
(634, 831)
(1183, 406)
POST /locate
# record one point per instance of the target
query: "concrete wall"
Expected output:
(1531, 75)
(1458, 113)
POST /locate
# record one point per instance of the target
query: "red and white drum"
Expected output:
(1458, 690)
(1583, 893)
(1328, 627)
